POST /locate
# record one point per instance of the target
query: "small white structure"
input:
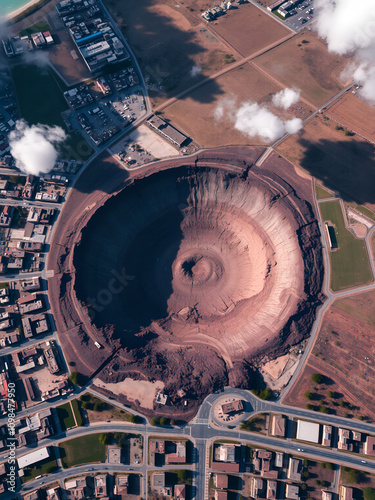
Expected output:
(308, 431)
(33, 458)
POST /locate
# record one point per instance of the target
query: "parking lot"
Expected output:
(302, 16)
(105, 118)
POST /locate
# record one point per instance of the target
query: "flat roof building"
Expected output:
(271, 490)
(33, 458)
(346, 493)
(308, 431)
(369, 447)
(292, 492)
(232, 407)
(294, 469)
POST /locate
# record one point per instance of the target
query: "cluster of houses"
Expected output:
(18, 45)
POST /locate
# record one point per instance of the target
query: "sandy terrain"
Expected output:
(141, 390)
(342, 164)
(150, 141)
(169, 40)
(307, 66)
(275, 368)
(248, 29)
(344, 352)
(352, 112)
(203, 249)
(195, 113)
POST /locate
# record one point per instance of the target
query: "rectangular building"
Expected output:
(33, 458)
(308, 431)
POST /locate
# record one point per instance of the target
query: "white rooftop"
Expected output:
(33, 458)
(308, 431)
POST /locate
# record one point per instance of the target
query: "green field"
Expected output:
(321, 193)
(77, 412)
(65, 415)
(350, 264)
(45, 467)
(40, 99)
(35, 28)
(82, 450)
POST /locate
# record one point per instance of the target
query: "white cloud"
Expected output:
(255, 120)
(285, 98)
(195, 71)
(33, 147)
(349, 29)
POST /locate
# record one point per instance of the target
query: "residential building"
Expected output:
(292, 492)
(232, 407)
(278, 426)
(327, 435)
(294, 469)
(346, 493)
(343, 441)
(221, 481)
(100, 482)
(256, 486)
(271, 490)
(369, 447)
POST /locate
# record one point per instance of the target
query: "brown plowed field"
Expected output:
(354, 113)
(307, 65)
(248, 29)
(345, 353)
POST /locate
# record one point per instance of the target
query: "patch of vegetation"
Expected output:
(349, 133)
(105, 438)
(77, 412)
(35, 28)
(82, 450)
(352, 476)
(77, 378)
(321, 193)
(369, 493)
(349, 263)
(365, 211)
(317, 378)
(327, 465)
(92, 403)
(254, 424)
(65, 414)
(228, 58)
(4, 285)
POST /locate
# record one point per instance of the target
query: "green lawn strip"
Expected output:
(82, 450)
(321, 193)
(350, 264)
(40, 99)
(46, 466)
(36, 28)
(77, 412)
(65, 415)
(4, 285)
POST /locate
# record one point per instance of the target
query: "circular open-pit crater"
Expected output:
(191, 273)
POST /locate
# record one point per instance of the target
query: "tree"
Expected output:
(105, 438)
(369, 493)
(309, 395)
(77, 378)
(317, 378)
(154, 421)
(323, 409)
(354, 476)
(183, 476)
(306, 474)
(331, 394)
(164, 421)
(303, 486)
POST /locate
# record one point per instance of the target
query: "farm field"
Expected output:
(248, 29)
(344, 353)
(354, 113)
(82, 450)
(350, 264)
(341, 163)
(196, 113)
(304, 62)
